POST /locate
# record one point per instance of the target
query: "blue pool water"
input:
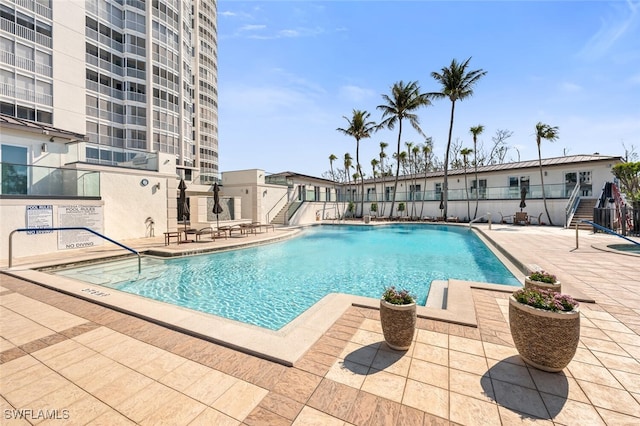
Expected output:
(270, 285)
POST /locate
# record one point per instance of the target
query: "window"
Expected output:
(24, 52)
(8, 109)
(6, 45)
(482, 191)
(26, 113)
(43, 28)
(586, 188)
(44, 117)
(414, 192)
(14, 170)
(92, 154)
(25, 21)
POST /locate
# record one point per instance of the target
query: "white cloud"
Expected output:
(570, 87)
(252, 27)
(613, 27)
(356, 94)
(288, 33)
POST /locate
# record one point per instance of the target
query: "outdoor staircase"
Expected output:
(583, 212)
(280, 217)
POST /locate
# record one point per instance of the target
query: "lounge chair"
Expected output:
(231, 229)
(266, 226)
(503, 218)
(246, 228)
(211, 232)
(521, 218)
(538, 219)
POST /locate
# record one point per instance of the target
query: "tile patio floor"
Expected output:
(86, 364)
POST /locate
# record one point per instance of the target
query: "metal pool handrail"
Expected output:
(70, 228)
(488, 216)
(602, 228)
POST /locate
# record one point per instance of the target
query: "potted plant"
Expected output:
(542, 280)
(545, 326)
(398, 318)
(401, 208)
(351, 208)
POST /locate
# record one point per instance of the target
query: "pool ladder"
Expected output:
(488, 216)
(69, 228)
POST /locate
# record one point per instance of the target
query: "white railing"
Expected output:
(488, 216)
(572, 205)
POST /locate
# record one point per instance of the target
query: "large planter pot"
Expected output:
(398, 324)
(546, 340)
(529, 283)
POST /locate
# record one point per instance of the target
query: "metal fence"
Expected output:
(625, 221)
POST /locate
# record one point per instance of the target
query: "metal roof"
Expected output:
(41, 128)
(519, 165)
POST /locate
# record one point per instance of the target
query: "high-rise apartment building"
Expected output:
(134, 76)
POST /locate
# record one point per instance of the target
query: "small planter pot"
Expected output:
(529, 283)
(398, 324)
(545, 340)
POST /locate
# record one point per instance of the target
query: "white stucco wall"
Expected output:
(126, 205)
(69, 103)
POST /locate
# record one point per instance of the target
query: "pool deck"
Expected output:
(91, 364)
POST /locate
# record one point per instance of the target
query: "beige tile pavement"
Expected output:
(113, 372)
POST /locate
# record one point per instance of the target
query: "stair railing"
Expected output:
(69, 228)
(572, 205)
(276, 204)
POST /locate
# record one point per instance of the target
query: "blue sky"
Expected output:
(290, 70)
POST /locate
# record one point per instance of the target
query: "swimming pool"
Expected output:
(271, 285)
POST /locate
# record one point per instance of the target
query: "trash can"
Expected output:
(367, 219)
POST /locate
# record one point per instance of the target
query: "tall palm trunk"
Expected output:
(424, 191)
(382, 183)
(445, 185)
(466, 189)
(359, 170)
(333, 178)
(544, 198)
(475, 160)
(395, 185)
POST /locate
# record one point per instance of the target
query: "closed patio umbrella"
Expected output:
(183, 207)
(441, 202)
(217, 208)
(523, 195)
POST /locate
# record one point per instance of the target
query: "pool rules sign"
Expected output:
(76, 215)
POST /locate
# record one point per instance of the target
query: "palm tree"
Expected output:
(348, 162)
(475, 131)
(402, 159)
(404, 99)
(465, 152)
(415, 150)
(374, 165)
(457, 84)
(359, 128)
(383, 174)
(544, 131)
(426, 150)
(333, 158)
(409, 171)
